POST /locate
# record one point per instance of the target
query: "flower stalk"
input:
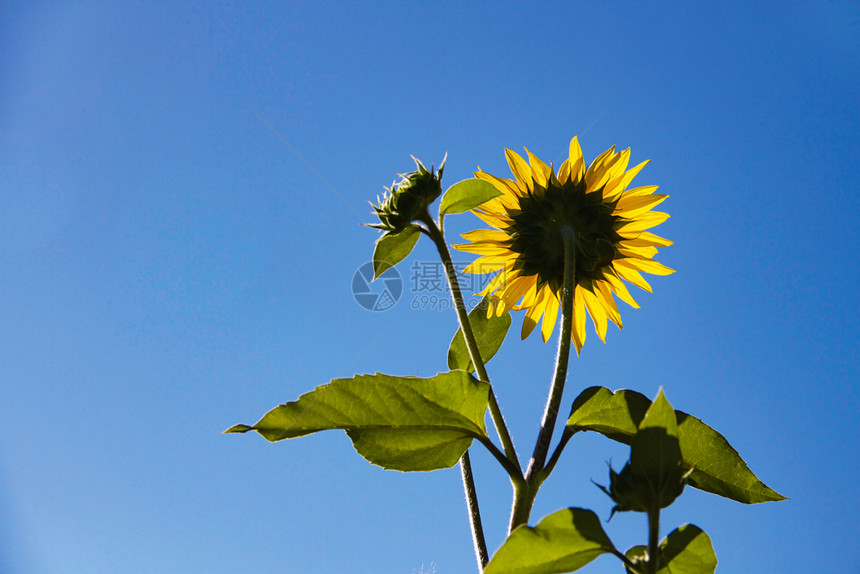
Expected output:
(435, 234)
(510, 461)
(534, 475)
(653, 538)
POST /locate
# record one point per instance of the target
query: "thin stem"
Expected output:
(653, 540)
(627, 562)
(565, 438)
(523, 504)
(474, 512)
(433, 232)
(500, 456)
(513, 466)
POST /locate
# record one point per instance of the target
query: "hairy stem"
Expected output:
(513, 466)
(534, 475)
(471, 344)
(474, 512)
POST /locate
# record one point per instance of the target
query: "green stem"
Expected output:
(565, 438)
(474, 512)
(534, 475)
(433, 232)
(627, 562)
(513, 466)
(653, 540)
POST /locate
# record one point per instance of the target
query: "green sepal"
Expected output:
(489, 332)
(467, 194)
(716, 466)
(398, 423)
(564, 541)
(686, 550)
(391, 249)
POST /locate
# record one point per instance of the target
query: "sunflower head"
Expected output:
(408, 200)
(526, 245)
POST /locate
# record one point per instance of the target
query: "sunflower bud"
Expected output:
(625, 492)
(408, 200)
(641, 491)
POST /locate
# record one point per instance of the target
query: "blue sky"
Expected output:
(182, 186)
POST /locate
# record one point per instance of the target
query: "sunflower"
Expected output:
(526, 245)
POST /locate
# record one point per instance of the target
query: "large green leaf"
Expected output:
(564, 541)
(489, 333)
(398, 423)
(392, 249)
(717, 467)
(687, 550)
(467, 194)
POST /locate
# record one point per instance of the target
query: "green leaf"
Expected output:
(717, 467)
(687, 550)
(467, 194)
(489, 333)
(655, 455)
(392, 249)
(564, 541)
(398, 423)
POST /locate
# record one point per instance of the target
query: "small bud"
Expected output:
(625, 492)
(641, 492)
(408, 200)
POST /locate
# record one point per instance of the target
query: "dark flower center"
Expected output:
(536, 233)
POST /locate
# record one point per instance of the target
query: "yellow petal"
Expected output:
(598, 175)
(576, 163)
(629, 207)
(645, 239)
(628, 273)
(486, 264)
(492, 259)
(515, 289)
(654, 239)
(520, 168)
(595, 309)
(492, 219)
(533, 314)
(494, 235)
(530, 296)
(604, 294)
(577, 333)
(647, 265)
(645, 221)
(638, 191)
(620, 290)
(550, 315)
(483, 248)
(637, 252)
(618, 164)
(614, 189)
(564, 172)
(540, 170)
(508, 187)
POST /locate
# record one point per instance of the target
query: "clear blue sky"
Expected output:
(182, 186)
